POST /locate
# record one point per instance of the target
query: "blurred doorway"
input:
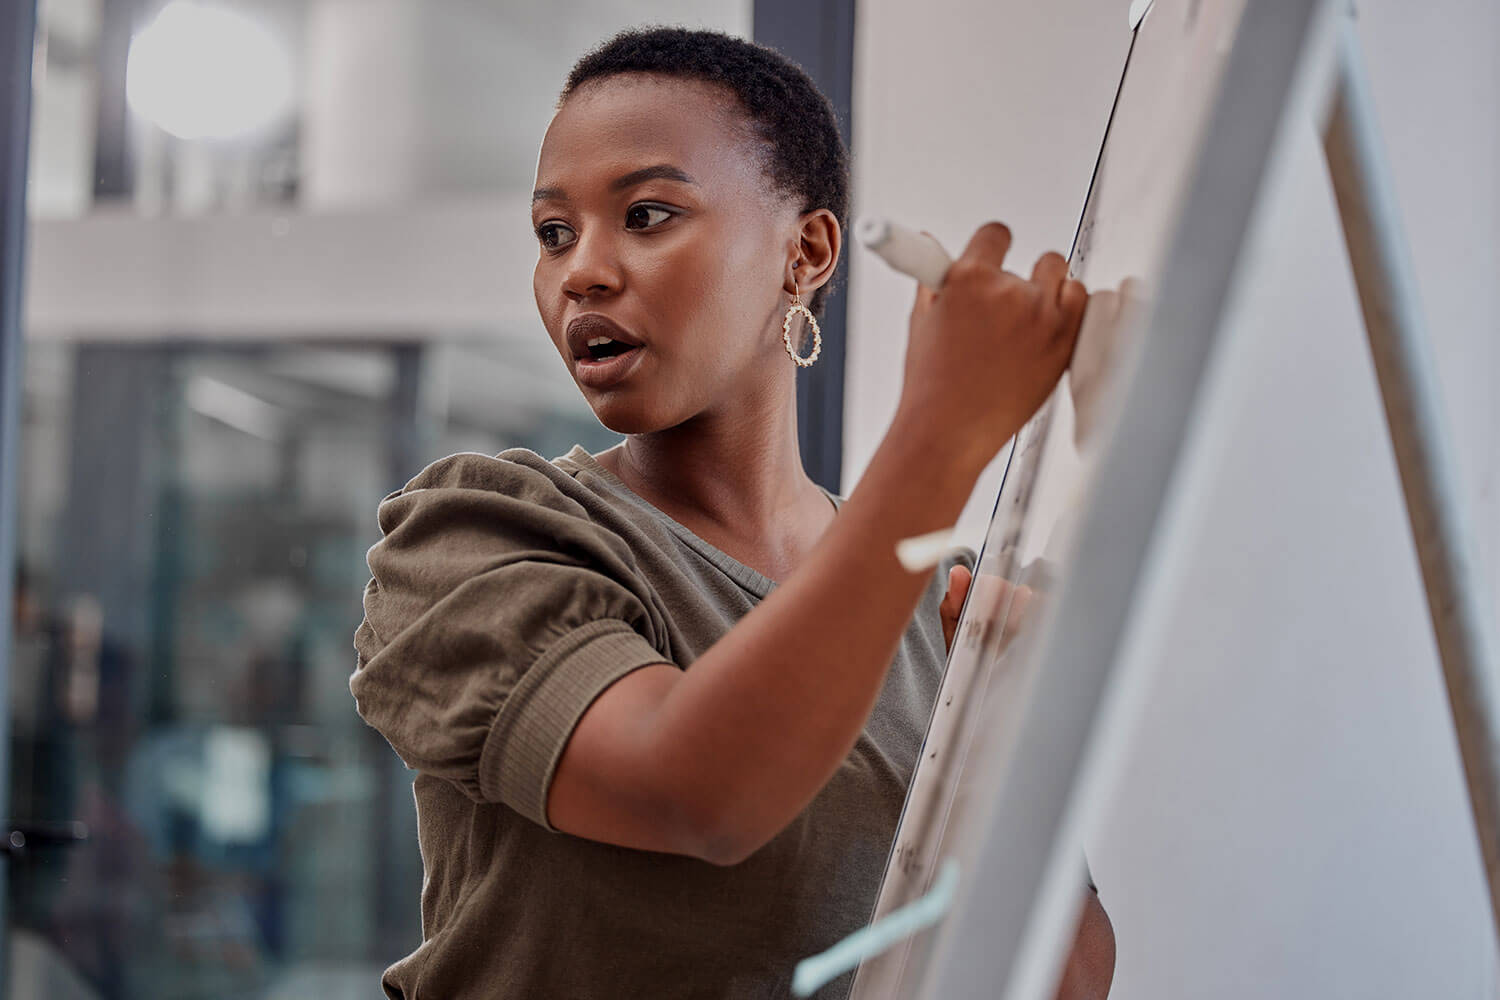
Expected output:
(193, 522)
(192, 527)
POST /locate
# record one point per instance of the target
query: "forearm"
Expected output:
(764, 717)
(1091, 963)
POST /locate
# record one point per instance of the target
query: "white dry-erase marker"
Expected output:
(912, 253)
(922, 552)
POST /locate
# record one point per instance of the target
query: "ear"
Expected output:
(811, 260)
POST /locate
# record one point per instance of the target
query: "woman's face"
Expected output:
(659, 230)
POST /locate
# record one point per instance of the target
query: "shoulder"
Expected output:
(516, 478)
(517, 471)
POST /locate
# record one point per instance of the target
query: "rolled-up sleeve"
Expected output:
(496, 613)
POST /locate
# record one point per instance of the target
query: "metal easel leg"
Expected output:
(1408, 385)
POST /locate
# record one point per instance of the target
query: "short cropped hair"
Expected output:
(785, 109)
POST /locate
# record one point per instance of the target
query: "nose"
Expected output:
(593, 268)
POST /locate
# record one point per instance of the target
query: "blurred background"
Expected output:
(279, 259)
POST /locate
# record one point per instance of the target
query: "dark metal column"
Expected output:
(397, 870)
(107, 542)
(17, 36)
(114, 159)
(818, 35)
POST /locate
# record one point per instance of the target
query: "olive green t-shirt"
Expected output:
(508, 592)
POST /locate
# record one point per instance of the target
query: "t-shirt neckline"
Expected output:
(751, 579)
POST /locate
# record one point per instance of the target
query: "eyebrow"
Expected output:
(661, 171)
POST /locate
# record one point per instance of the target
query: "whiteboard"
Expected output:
(1147, 163)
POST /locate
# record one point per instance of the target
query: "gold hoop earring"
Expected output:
(786, 332)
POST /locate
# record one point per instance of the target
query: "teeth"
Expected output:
(600, 341)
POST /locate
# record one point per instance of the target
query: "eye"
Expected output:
(554, 235)
(646, 215)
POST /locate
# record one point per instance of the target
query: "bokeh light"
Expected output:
(208, 73)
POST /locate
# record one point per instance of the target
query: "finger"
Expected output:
(1073, 298)
(959, 578)
(1048, 274)
(990, 243)
(923, 301)
(958, 588)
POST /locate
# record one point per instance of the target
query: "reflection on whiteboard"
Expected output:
(1168, 86)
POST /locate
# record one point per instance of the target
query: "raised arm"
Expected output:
(715, 761)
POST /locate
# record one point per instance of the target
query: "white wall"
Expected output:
(1291, 821)
(965, 112)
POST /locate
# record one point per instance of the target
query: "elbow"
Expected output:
(723, 834)
(728, 850)
(715, 811)
(723, 854)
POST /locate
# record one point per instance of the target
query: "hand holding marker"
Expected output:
(920, 256)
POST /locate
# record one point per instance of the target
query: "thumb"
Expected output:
(959, 578)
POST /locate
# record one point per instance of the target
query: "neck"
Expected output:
(738, 466)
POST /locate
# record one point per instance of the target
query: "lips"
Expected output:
(591, 326)
(605, 364)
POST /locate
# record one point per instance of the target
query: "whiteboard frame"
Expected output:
(1010, 929)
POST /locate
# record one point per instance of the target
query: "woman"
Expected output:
(642, 771)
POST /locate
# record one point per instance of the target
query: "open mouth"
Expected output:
(601, 348)
(604, 352)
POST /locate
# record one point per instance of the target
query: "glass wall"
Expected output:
(280, 261)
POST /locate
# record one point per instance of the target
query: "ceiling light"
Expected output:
(207, 73)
